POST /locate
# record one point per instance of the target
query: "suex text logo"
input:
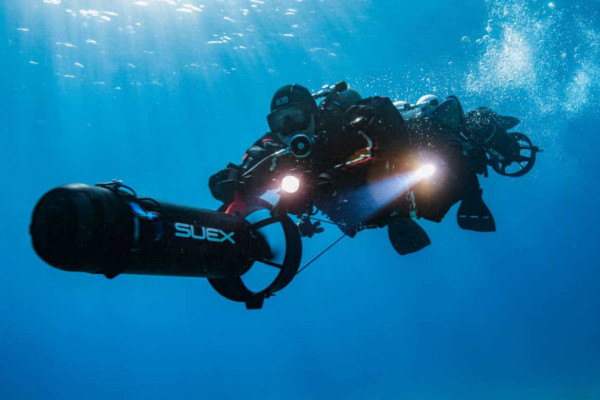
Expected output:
(210, 234)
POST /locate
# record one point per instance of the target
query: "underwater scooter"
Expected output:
(107, 229)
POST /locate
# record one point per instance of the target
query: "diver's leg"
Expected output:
(473, 213)
(407, 236)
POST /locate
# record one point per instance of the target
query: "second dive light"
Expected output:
(424, 172)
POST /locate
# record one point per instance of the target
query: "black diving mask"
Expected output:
(289, 119)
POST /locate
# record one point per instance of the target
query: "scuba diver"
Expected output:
(362, 162)
(353, 143)
(435, 131)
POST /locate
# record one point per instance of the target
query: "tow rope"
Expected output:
(321, 253)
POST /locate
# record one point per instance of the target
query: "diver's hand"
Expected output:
(224, 183)
(307, 228)
(360, 117)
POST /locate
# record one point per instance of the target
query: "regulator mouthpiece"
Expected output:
(300, 146)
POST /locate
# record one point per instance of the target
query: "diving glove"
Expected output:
(307, 228)
(224, 183)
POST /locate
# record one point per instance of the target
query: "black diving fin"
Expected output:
(506, 122)
(474, 215)
(407, 236)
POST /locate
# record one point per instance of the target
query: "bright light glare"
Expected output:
(425, 171)
(290, 184)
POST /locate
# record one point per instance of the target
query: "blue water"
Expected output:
(163, 93)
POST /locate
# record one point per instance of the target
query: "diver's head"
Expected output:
(293, 111)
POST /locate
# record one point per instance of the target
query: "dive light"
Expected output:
(424, 172)
(290, 184)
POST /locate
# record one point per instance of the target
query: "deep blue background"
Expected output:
(162, 98)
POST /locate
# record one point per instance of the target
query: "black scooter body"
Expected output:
(94, 229)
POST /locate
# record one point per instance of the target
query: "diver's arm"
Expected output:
(374, 129)
(251, 177)
(268, 144)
